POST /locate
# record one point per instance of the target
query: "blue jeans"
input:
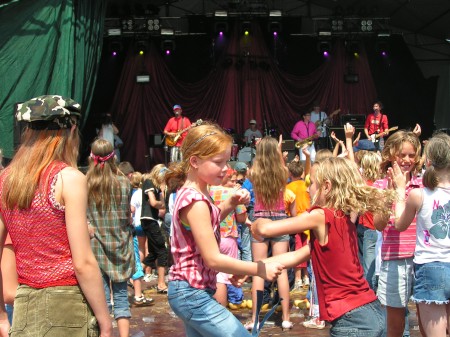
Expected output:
(365, 321)
(245, 251)
(367, 240)
(120, 296)
(201, 314)
(9, 310)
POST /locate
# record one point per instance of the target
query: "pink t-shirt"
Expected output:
(188, 263)
(398, 245)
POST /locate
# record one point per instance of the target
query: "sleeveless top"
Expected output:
(39, 236)
(341, 285)
(433, 224)
(188, 263)
(398, 245)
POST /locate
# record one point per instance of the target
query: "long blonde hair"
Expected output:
(38, 150)
(269, 174)
(349, 193)
(204, 141)
(102, 177)
(370, 166)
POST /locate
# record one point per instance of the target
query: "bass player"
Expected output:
(175, 132)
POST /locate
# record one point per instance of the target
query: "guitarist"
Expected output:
(173, 126)
(376, 126)
(322, 121)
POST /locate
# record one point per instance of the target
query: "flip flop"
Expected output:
(161, 291)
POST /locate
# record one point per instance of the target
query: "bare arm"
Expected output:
(4, 323)
(349, 132)
(291, 259)
(84, 262)
(198, 216)
(152, 200)
(241, 197)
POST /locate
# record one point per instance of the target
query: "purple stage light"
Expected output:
(114, 53)
(383, 53)
(167, 52)
(275, 34)
(221, 33)
(325, 54)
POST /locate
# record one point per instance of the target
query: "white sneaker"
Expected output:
(314, 323)
(287, 325)
(298, 287)
(150, 277)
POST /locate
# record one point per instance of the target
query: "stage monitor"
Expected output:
(288, 145)
(355, 120)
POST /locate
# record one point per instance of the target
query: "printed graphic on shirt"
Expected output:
(441, 221)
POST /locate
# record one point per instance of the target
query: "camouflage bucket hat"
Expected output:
(49, 112)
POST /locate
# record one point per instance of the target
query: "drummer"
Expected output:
(251, 134)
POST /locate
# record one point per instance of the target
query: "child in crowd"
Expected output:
(152, 203)
(109, 214)
(225, 291)
(367, 234)
(269, 176)
(136, 206)
(196, 236)
(432, 252)
(43, 190)
(397, 250)
(302, 201)
(338, 194)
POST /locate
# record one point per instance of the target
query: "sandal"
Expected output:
(286, 325)
(249, 325)
(161, 291)
(143, 301)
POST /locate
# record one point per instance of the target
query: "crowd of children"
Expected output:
(217, 226)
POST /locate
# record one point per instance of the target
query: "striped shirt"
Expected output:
(188, 264)
(399, 245)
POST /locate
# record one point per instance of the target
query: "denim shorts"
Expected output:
(281, 238)
(366, 321)
(201, 314)
(395, 282)
(51, 312)
(139, 231)
(120, 296)
(432, 283)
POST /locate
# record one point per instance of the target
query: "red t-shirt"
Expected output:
(376, 124)
(341, 285)
(176, 124)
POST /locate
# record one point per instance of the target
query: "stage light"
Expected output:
(324, 48)
(115, 47)
(168, 47)
(366, 25)
(221, 27)
(275, 12)
(274, 28)
(221, 13)
(141, 47)
(245, 27)
(167, 31)
(143, 78)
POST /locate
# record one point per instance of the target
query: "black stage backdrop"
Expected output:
(235, 78)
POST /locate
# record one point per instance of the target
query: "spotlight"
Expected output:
(141, 47)
(245, 27)
(366, 25)
(274, 28)
(382, 47)
(352, 48)
(221, 28)
(168, 47)
(115, 47)
(324, 48)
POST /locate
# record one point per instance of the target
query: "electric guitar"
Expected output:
(172, 140)
(321, 123)
(374, 137)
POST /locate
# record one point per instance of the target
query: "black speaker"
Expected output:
(156, 140)
(340, 134)
(288, 145)
(355, 120)
(291, 155)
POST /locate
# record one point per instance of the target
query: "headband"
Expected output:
(98, 159)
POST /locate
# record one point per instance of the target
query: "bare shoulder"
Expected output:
(71, 174)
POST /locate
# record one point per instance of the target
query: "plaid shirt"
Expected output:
(113, 241)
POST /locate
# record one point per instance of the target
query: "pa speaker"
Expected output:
(156, 140)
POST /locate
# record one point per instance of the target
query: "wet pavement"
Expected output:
(159, 319)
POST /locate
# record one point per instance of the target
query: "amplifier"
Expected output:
(288, 145)
(355, 120)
